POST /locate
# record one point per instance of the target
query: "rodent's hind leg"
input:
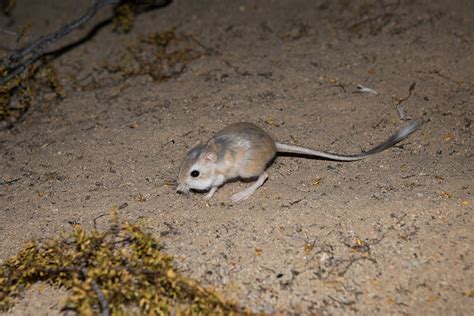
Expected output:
(209, 195)
(245, 194)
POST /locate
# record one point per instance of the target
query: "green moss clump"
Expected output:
(161, 55)
(123, 18)
(7, 6)
(114, 270)
(21, 92)
(15, 96)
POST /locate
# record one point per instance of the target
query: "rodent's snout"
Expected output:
(182, 188)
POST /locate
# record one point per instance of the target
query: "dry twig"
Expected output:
(18, 61)
(400, 110)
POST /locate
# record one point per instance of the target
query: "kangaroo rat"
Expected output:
(243, 150)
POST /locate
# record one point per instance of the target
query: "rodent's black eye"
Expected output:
(194, 173)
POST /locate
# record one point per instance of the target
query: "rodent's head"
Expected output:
(198, 170)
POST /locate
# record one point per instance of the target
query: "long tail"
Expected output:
(398, 136)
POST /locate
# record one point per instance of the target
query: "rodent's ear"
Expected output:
(210, 157)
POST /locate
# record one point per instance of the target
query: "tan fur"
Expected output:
(245, 150)
(250, 161)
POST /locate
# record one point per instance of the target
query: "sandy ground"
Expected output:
(392, 234)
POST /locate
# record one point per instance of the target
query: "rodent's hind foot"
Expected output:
(245, 194)
(241, 196)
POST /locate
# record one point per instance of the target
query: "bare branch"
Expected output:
(104, 303)
(18, 61)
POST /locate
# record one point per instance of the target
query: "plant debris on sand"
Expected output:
(113, 270)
